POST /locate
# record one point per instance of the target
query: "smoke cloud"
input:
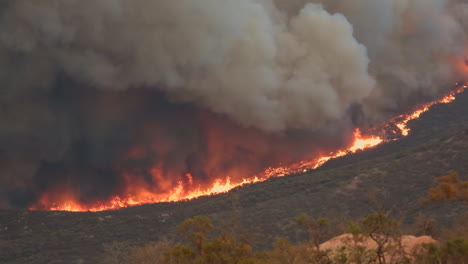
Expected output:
(270, 65)
(83, 83)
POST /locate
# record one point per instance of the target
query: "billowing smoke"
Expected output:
(240, 58)
(94, 91)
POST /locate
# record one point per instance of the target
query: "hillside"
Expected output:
(397, 174)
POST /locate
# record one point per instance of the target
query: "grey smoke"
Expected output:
(275, 66)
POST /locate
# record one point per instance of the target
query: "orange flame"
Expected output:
(401, 122)
(186, 191)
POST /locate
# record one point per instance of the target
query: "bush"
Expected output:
(209, 244)
(454, 251)
(450, 188)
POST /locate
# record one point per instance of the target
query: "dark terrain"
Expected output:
(396, 174)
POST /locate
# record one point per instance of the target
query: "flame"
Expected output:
(401, 122)
(185, 189)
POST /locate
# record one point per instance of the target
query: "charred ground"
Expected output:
(396, 174)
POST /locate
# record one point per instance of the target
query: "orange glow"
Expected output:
(185, 190)
(461, 64)
(401, 122)
(140, 196)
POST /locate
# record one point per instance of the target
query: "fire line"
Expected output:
(179, 193)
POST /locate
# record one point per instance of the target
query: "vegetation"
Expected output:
(384, 231)
(402, 172)
(449, 188)
(208, 244)
(317, 229)
(374, 239)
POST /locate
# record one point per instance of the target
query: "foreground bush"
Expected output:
(375, 239)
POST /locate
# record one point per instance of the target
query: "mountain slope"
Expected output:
(397, 174)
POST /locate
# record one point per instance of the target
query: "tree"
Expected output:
(425, 225)
(454, 251)
(209, 244)
(317, 229)
(449, 188)
(152, 253)
(195, 230)
(286, 253)
(180, 254)
(382, 229)
(116, 252)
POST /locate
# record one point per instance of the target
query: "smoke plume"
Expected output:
(94, 91)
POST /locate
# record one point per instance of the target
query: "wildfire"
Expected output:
(401, 122)
(185, 190)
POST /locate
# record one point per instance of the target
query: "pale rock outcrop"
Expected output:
(409, 244)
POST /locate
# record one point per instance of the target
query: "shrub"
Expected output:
(449, 188)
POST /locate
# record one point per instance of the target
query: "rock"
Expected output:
(410, 244)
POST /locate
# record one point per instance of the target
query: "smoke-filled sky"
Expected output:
(85, 82)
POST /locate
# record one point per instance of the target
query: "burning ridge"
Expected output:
(394, 129)
(107, 104)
